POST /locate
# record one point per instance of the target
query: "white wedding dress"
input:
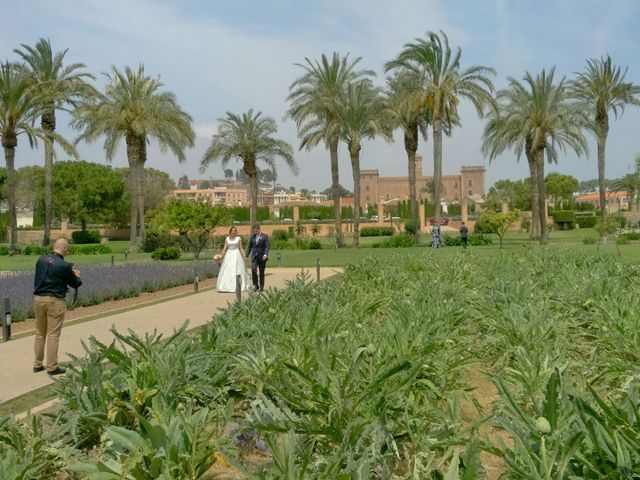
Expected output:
(232, 265)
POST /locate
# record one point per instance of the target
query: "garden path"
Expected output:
(16, 356)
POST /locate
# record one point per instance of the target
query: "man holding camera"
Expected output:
(53, 277)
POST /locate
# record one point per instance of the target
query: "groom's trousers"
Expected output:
(257, 266)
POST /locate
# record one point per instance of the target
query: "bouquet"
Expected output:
(218, 258)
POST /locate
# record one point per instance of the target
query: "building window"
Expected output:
(367, 188)
(470, 192)
(455, 184)
(470, 183)
(367, 198)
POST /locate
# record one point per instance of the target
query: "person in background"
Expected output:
(464, 235)
(52, 279)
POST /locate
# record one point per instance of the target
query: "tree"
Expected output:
(183, 182)
(194, 221)
(561, 187)
(342, 192)
(629, 183)
(360, 118)
(21, 102)
(87, 192)
(134, 110)
(534, 118)
(228, 174)
(404, 110)
(601, 89)
(444, 84)
(314, 102)
(497, 222)
(248, 137)
(61, 87)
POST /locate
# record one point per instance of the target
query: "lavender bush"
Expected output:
(103, 282)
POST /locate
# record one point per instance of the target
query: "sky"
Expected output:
(222, 56)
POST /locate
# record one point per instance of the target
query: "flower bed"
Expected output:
(103, 282)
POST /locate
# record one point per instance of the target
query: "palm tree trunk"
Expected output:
(133, 155)
(411, 147)
(253, 210)
(602, 141)
(335, 187)
(542, 204)
(48, 123)
(437, 167)
(535, 222)
(355, 167)
(141, 179)
(9, 157)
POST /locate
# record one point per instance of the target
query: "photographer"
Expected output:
(52, 279)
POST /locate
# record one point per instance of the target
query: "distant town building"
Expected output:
(232, 197)
(375, 188)
(615, 200)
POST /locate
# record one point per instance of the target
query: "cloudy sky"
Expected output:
(232, 55)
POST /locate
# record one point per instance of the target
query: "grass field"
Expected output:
(330, 257)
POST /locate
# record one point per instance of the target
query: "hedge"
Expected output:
(399, 241)
(97, 249)
(297, 244)
(279, 235)
(85, 236)
(170, 253)
(473, 240)
(376, 231)
(586, 222)
(564, 218)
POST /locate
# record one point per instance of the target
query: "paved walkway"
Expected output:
(16, 356)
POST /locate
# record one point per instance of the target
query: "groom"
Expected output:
(259, 250)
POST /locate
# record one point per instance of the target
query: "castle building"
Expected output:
(374, 188)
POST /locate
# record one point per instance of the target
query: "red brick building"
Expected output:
(374, 188)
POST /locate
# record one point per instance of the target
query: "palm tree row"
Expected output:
(333, 101)
(132, 108)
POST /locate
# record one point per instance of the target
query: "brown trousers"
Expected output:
(49, 317)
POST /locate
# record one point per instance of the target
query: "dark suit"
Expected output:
(257, 249)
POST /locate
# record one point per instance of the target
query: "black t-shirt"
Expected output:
(464, 231)
(54, 276)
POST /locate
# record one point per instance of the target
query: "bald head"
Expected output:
(61, 246)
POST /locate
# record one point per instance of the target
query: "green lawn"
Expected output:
(330, 257)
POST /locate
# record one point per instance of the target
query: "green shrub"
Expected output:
(155, 240)
(586, 222)
(97, 249)
(589, 240)
(36, 250)
(290, 232)
(525, 223)
(622, 221)
(314, 244)
(565, 219)
(399, 241)
(169, 253)
(282, 245)
(4, 250)
(622, 240)
(631, 235)
(376, 231)
(483, 226)
(279, 235)
(410, 228)
(474, 240)
(81, 237)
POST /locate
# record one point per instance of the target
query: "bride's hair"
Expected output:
(233, 229)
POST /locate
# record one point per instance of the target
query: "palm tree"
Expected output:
(359, 118)
(134, 110)
(601, 89)
(534, 118)
(248, 137)
(443, 84)
(21, 102)
(314, 101)
(404, 110)
(629, 183)
(61, 86)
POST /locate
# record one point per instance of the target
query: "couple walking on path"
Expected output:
(234, 257)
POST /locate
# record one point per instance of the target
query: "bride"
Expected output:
(233, 263)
